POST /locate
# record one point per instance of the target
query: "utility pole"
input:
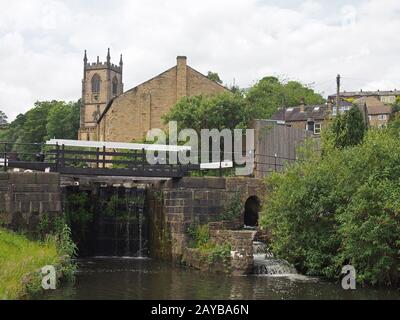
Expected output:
(337, 94)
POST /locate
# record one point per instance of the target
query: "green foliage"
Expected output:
(224, 111)
(214, 77)
(218, 253)
(63, 120)
(340, 208)
(270, 93)
(19, 257)
(200, 235)
(77, 208)
(237, 109)
(65, 245)
(347, 129)
(396, 106)
(47, 119)
(233, 209)
(394, 124)
(3, 119)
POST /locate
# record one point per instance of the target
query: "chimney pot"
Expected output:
(302, 105)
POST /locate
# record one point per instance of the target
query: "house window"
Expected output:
(317, 128)
(382, 117)
(115, 86)
(310, 126)
(96, 83)
(370, 118)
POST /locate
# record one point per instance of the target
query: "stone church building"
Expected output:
(110, 114)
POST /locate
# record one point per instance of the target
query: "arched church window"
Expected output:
(115, 86)
(96, 83)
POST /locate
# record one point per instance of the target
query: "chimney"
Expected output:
(338, 92)
(302, 105)
(181, 77)
(330, 106)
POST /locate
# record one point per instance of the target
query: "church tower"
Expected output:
(101, 82)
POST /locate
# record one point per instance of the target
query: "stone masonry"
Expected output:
(25, 197)
(130, 115)
(190, 201)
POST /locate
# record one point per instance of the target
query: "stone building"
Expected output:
(385, 96)
(109, 114)
(309, 117)
(378, 112)
(101, 82)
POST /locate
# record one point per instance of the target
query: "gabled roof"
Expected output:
(317, 112)
(109, 104)
(374, 105)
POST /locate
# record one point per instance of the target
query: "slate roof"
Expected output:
(374, 105)
(378, 93)
(316, 112)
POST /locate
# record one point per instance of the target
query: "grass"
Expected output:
(19, 257)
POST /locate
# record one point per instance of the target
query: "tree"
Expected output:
(3, 119)
(214, 77)
(347, 129)
(270, 93)
(340, 208)
(394, 124)
(217, 112)
(63, 120)
(47, 119)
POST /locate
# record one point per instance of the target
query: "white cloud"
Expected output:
(42, 42)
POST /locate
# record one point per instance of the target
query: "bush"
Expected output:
(341, 208)
(200, 235)
(233, 208)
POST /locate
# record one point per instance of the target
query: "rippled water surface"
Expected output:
(130, 278)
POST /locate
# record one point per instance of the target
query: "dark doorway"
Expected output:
(251, 211)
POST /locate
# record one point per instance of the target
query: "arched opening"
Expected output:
(115, 86)
(251, 211)
(96, 83)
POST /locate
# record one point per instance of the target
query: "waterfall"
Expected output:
(265, 263)
(139, 254)
(128, 218)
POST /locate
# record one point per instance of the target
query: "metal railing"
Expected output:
(38, 156)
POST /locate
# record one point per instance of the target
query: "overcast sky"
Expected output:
(42, 43)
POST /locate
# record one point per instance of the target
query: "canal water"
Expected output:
(135, 278)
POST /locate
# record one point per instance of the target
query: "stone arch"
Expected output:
(251, 211)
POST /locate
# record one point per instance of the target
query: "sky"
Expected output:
(42, 43)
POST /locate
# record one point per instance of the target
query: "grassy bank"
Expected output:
(19, 257)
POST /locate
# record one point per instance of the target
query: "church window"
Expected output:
(96, 83)
(115, 86)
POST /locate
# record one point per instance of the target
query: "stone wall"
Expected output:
(193, 201)
(140, 109)
(240, 261)
(194, 258)
(25, 197)
(241, 242)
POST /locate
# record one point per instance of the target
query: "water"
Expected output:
(133, 278)
(109, 222)
(265, 263)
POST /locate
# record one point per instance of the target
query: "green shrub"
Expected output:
(340, 208)
(210, 251)
(200, 234)
(234, 208)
